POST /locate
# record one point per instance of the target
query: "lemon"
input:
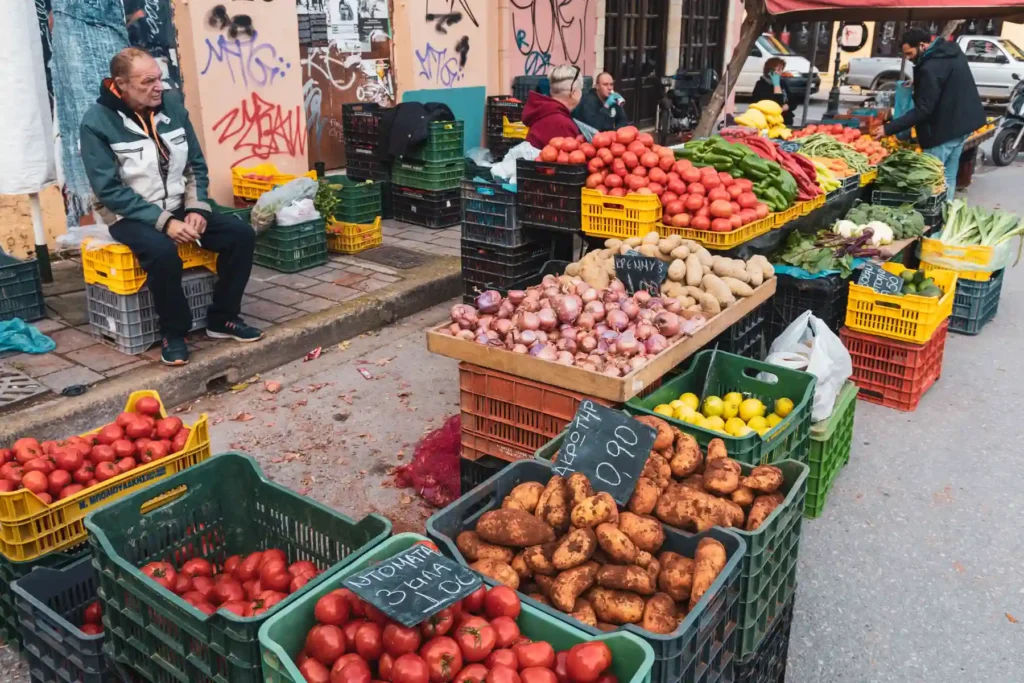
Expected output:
(784, 406)
(734, 397)
(730, 409)
(684, 412)
(750, 409)
(743, 431)
(712, 406)
(773, 420)
(698, 420)
(676, 405)
(715, 423)
(733, 424)
(763, 430)
(691, 400)
(757, 423)
(664, 409)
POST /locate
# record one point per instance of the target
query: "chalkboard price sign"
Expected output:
(414, 584)
(608, 446)
(640, 273)
(791, 147)
(880, 280)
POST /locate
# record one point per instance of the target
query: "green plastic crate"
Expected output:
(445, 143)
(830, 449)
(292, 248)
(10, 628)
(360, 201)
(445, 176)
(283, 636)
(222, 507)
(21, 289)
(718, 373)
(228, 211)
(701, 649)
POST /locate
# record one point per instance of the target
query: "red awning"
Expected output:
(894, 10)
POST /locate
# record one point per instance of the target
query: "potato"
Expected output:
(595, 276)
(617, 545)
(645, 497)
(676, 576)
(756, 276)
(657, 470)
(694, 272)
(722, 476)
(742, 496)
(708, 304)
(672, 290)
(631, 578)
(645, 531)
(625, 249)
(649, 250)
(542, 599)
(708, 563)
(574, 549)
(617, 607)
(736, 514)
(579, 488)
(520, 567)
(607, 628)
(643, 559)
(573, 269)
(584, 611)
(501, 572)
(513, 529)
(666, 245)
(704, 255)
(737, 287)
(633, 241)
(663, 439)
(660, 614)
(612, 243)
(524, 497)
(473, 549)
(694, 481)
(690, 509)
(714, 286)
(723, 267)
(570, 584)
(594, 511)
(677, 270)
(539, 559)
(686, 458)
(544, 584)
(761, 509)
(651, 238)
(767, 270)
(681, 252)
(553, 506)
(764, 478)
(716, 449)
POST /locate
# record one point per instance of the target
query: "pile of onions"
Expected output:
(564, 320)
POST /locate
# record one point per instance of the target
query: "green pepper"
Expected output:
(735, 172)
(721, 162)
(755, 166)
(789, 187)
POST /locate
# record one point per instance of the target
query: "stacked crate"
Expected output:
(825, 297)
(357, 221)
(426, 180)
(548, 196)
(977, 290)
(21, 289)
(359, 126)
(500, 108)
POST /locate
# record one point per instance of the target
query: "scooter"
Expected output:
(680, 106)
(1008, 138)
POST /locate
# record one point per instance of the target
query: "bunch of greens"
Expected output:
(821, 145)
(911, 173)
(973, 225)
(904, 220)
(328, 200)
(826, 251)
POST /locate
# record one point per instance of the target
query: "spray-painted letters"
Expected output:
(250, 61)
(551, 32)
(259, 129)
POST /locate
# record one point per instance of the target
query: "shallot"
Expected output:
(617, 320)
(519, 348)
(642, 297)
(630, 308)
(506, 309)
(529, 321)
(667, 323)
(516, 296)
(544, 352)
(502, 326)
(488, 302)
(627, 344)
(548, 319)
(655, 344)
(596, 310)
(569, 308)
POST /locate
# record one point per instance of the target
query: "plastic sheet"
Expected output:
(434, 470)
(17, 335)
(264, 213)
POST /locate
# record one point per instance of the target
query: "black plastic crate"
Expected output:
(926, 204)
(364, 163)
(51, 604)
(502, 263)
(489, 215)
(427, 208)
(472, 473)
(825, 297)
(21, 289)
(560, 175)
(500, 107)
(768, 664)
(359, 123)
(745, 337)
(975, 303)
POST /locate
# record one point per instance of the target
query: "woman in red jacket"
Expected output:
(550, 117)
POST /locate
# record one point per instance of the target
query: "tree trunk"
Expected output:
(754, 23)
(949, 27)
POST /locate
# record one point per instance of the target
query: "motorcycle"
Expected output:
(680, 106)
(1008, 138)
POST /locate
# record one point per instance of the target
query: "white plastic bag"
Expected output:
(505, 170)
(299, 211)
(267, 206)
(809, 345)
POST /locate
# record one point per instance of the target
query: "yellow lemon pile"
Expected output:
(730, 414)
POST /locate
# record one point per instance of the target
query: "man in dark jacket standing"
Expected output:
(947, 107)
(602, 106)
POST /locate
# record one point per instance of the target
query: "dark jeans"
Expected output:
(231, 239)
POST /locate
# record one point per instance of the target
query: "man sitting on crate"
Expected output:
(149, 177)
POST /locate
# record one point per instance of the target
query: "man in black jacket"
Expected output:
(602, 106)
(947, 107)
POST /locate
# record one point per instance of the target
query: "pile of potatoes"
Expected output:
(701, 282)
(572, 549)
(692, 491)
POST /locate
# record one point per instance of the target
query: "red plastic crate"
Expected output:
(892, 373)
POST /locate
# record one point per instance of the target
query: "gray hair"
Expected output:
(563, 79)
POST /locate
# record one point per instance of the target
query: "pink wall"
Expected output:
(444, 44)
(541, 34)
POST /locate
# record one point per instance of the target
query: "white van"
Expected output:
(795, 76)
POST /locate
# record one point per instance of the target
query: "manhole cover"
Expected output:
(396, 257)
(16, 386)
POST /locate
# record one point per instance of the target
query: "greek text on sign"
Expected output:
(880, 280)
(638, 272)
(414, 584)
(608, 446)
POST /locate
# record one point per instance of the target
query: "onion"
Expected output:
(656, 344)
(468, 335)
(528, 337)
(589, 295)
(586, 320)
(544, 352)
(454, 329)
(617, 286)
(580, 288)
(600, 329)
(643, 331)
(485, 322)
(630, 308)
(488, 302)
(667, 323)
(691, 325)
(618, 320)
(565, 358)
(551, 292)
(464, 315)
(506, 309)
(626, 344)
(569, 308)
(446, 332)
(545, 303)
(502, 326)
(656, 303)
(637, 362)
(492, 335)
(529, 321)
(674, 306)
(588, 344)
(548, 319)
(530, 304)
(589, 366)
(610, 296)
(569, 332)
(554, 335)
(519, 348)
(609, 336)
(596, 309)
(642, 297)
(567, 344)
(611, 371)
(482, 339)
(516, 296)
(549, 281)
(542, 336)
(646, 315)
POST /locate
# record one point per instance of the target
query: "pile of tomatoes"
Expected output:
(92, 619)
(53, 470)
(247, 586)
(706, 199)
(476, 640)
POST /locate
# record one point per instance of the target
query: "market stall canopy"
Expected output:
(896, 10)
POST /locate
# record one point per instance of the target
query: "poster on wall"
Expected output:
(343, 25)
(372, 30)
(313, 30)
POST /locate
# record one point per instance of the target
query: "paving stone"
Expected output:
(319, 270)
(263, 274)
(370, 285)
(70, 307)
(69, 340)
(283, 295)
(314, 304)
(333, 292)
(76, 374)
(347, 279)
(254, 286)
(257, 322)
(385, 278)
(295, 281)
(99, 357)
(48, 325)
(267, 310)
(142, 362)
(297, 314)
(37, 365)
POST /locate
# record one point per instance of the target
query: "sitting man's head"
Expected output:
(138, 78)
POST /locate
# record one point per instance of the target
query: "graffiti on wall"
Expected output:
(247, 60)
(450, 29)
(552, 32)
(259, 129)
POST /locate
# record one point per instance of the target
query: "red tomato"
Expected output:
(650, 160)
(93, 613)
(369, 641)
(203, 585)
(91, 629)
(587, 661)
(474, 602)
(45, 497)
(613, 181)
(352, 627)
(443, 657)
(265, 600)
(560, 669)
(602, 140)
(535, 654)
(640, 172)
(226, 591)
(506, 630)
(249, 568)
(502, 674)
(314, 672)
(106, 470)
(239, 607)
(375, 615)
(231, 563)
(437, 624)
(630, 160)
(384, 665)
(734, 191)
(36, 482)
(536, 674)
(563, 158)
(736, 221)
(605, 155)
(577, 157)
(182, 584)
(138, 429)
(410, 668)
(273, 554)
(325, 643)
(299, 581)
(38, 465)
(761, 210)
(617, 149)
(690, 175)
(69, 458)
(476, 638)
(274, 575)
(474, 673)
(15, 475)
(502, 657)
(84, 473)
(161, 572)
(332, 609)
(69, 491)
(351, 671)
(626, 134)
(154, 450)
(125, 465)
(123, 448)
(617, 192)
(180, 439)
(710, 181)
(252, 589)
(721, 225)
(109, 434)
(147, 405)
(197, 567)
(101, 453)
(400, 640)
(593, 180)
(167, 427)
(124, 419)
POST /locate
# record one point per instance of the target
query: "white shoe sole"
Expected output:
(224, 335)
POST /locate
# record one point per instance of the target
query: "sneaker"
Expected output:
(234, 329)
(175, 351)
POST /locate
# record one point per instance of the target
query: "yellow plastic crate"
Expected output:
(977, 255)
(115, 267)
(818, 201)
(634, 215)
(29, 528)
(868, 177)
(352, 238)
(514, 129)
(806, 207)
(785, 216)
(904, 317)
(720, 240)
(972, 275)
(250, 188)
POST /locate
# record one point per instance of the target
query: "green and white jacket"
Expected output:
(143, 169)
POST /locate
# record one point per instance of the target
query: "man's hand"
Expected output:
(878, 132)
(181, 231)
(785, 107)
(197, 221)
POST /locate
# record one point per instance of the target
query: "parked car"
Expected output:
(795, 76)
(993, 62)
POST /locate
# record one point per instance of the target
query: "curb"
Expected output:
(229, 363)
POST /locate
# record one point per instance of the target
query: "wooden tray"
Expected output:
(618, 389)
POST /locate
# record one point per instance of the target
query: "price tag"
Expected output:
(414, 584)
(641, 273)
(608, 446)
(880, 280)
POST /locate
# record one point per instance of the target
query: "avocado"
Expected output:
(910, 288)
(918, 277)
(907, 275)
(930, 290)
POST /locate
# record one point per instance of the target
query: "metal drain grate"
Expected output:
(396, 257)
(16, 386)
